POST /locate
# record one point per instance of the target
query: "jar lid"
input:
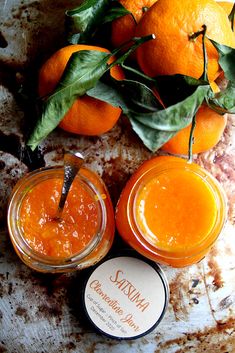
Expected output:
(125, 297)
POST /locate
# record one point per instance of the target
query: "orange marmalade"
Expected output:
(171, 211)
(81, 237)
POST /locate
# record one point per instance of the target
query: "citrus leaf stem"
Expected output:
(205, 58)
(204, 77)
(193, 37)
(145, 9)
(190, 146)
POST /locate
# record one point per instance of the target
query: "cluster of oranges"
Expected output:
(173, 52)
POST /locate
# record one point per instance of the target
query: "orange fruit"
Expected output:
(227, 6)
(123, 28)
(207, 133)
(174, 51)
(87, 116)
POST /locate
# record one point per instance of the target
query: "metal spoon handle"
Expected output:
(72, 164)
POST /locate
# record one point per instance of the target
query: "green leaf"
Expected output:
(167, 122)
(154, 125)
(175, 88)
(174, 117)
(135, 43)
(134, 74)
(140, 98)
(82, 72)
(224, 101)
(108, 94)
(226, 59)
(152, 139)
(116, 10)
(84, 21)
(131, 96)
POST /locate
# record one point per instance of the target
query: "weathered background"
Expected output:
(40, 313)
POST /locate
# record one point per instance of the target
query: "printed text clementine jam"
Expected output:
(171, 211)
(80, 238)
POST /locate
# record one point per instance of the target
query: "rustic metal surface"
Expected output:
(40, 313)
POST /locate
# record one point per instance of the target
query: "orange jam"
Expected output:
(59, 238)
(81, 237)
(171, 211)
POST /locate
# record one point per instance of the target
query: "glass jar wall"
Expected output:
(171, 211)
(82, 236)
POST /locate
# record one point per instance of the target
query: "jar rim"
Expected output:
(17, 195)
(212, 183)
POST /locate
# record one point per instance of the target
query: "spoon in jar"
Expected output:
(72, 164)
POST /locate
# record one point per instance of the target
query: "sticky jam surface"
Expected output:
(175, 210)
(48, 236)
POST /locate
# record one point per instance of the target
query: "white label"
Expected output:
(125, 297)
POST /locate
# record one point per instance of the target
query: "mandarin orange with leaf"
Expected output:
(207, 133)
(123, 28)
(87, 116)
(175, 49)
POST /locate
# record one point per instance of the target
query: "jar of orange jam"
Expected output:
(82, 236)
(171, 211)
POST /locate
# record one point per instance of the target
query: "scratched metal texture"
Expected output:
(40, 313)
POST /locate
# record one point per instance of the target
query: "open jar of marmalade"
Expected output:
(82, 236)
(171, 211)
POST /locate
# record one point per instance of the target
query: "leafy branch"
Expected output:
(86, 71)
(82, 72)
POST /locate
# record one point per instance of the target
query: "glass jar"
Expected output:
(86, 230)
(171, 211)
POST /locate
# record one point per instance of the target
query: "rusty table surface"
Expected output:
(39, 313)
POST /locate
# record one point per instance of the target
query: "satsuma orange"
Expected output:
(174, 51)
(87, 116)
